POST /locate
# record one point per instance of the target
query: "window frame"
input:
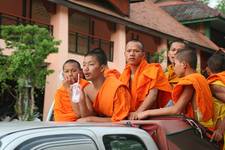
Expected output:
(130, 136)
(47, 141)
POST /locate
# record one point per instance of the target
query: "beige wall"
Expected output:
(119, 38)
(60, 23)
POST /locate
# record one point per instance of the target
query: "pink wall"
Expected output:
(60, 22)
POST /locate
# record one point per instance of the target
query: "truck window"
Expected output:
(123, 142)
(59, 142)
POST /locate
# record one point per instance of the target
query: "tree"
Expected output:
(221, 6)
(30, 46)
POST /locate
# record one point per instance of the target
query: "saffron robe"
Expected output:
(111, 73)
(203, 98)
(63, 110)
(172, 77)
(112, 100)
(147, 77)
(219, 106)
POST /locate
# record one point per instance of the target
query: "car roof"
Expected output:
(169, 124)
(18, 126)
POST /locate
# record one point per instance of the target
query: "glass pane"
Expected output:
(72, 42)
(105, 45)
(82, 46)
(94, 43)
(123, 142)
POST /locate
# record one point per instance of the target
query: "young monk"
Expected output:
(174, 48)
(216, 80)
(191, 95)
(64, 107)
(147, 83)
(107, 99)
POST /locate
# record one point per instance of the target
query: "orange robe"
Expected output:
(112, 100)
(219, 106)
(219, 76)
(172, 77)
(63, 110)
(111, 73)
(146, 77)
(203, 97)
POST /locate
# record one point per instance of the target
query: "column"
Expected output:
(60, 23)
(119, 39)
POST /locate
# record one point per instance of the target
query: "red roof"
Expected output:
(150, 15)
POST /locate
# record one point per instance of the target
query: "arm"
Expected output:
(219, 132)
(94, 119)
(75, 106)
(149, 100)
(146, 104)
(85, 105)
(218, 92)
(178, 108)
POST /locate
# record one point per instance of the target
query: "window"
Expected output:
(123, 142)
(59, 142)
(86, 33)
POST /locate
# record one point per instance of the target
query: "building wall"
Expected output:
(150, 42)
(39, 12)
(60, 32)
(11, 6)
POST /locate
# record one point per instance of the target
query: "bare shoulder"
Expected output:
(89, 88)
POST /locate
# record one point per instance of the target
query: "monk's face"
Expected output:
(70, 72)
(174, 48)
(133, 54)
(179, 68)
(208, 71)
(92, 68)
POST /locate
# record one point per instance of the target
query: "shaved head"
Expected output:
(188, 56)
(216, 63)
(138, 43)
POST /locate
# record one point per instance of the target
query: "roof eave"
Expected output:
(198, 20)
(123, 21)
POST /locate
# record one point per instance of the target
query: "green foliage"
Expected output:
(158, 56)
(221, 6)
(30, 46)
(205, 1)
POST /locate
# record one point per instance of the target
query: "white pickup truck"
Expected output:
(171, 133)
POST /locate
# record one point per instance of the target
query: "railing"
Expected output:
(10, 19)
(81, 43)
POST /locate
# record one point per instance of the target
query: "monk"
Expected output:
(107, 98)
(174, 48)
(147, 83)
(191, 95)
(64, 109)
(216, 80)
